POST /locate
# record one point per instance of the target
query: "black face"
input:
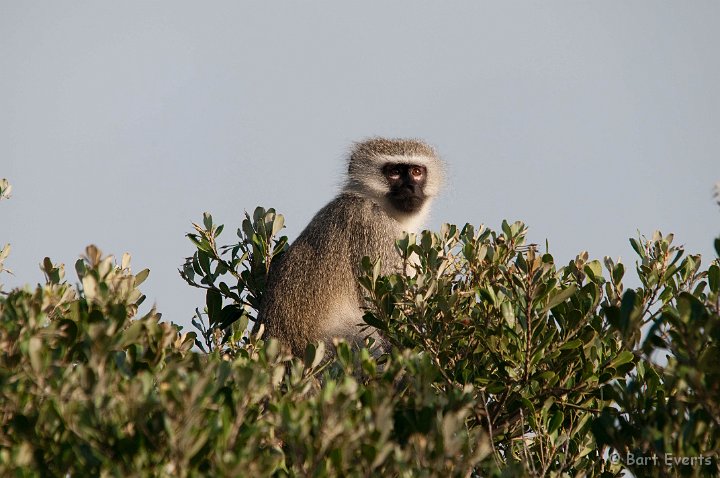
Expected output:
(407, 184)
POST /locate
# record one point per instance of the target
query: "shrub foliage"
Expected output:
(503, 363)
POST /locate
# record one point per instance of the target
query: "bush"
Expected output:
(557, 360)
(503, 363)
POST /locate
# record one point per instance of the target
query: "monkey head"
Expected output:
(400, 175)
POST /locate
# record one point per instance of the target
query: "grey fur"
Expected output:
(312, 292)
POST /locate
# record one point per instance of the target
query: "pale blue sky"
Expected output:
(121, 122)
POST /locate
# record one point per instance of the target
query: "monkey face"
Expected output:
(406, 186)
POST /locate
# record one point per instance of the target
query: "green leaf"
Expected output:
(80, 268)
(638, 248)
(258, 214)
(201, 244)
(508, 314)
(207, 220)
(370, 319)
(344, 354)
(555, 421)
(559, 298)
(227, 316)
(213, 300)
(204, 260)
(319, 354)
(627, 307)
(506, 229)
(141, 276)
(618, 273)
(714, 278)
(594, 270)
(622, 358)
(309, 358)
(546, 376)
(278, 224)
(247, 230)
(376, 270)
(572, 344)
(529, 411)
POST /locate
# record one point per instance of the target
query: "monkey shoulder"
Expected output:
(348, 227)
(323, 243)
(339, 223)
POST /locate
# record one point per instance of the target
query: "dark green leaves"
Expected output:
(233, 273)
(500, 362)
(560, 297)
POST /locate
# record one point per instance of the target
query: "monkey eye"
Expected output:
(394, 173)
(416, 171)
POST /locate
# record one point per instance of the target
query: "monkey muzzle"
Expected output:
(407, 198)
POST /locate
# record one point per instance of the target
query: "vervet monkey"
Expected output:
(312, 291)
